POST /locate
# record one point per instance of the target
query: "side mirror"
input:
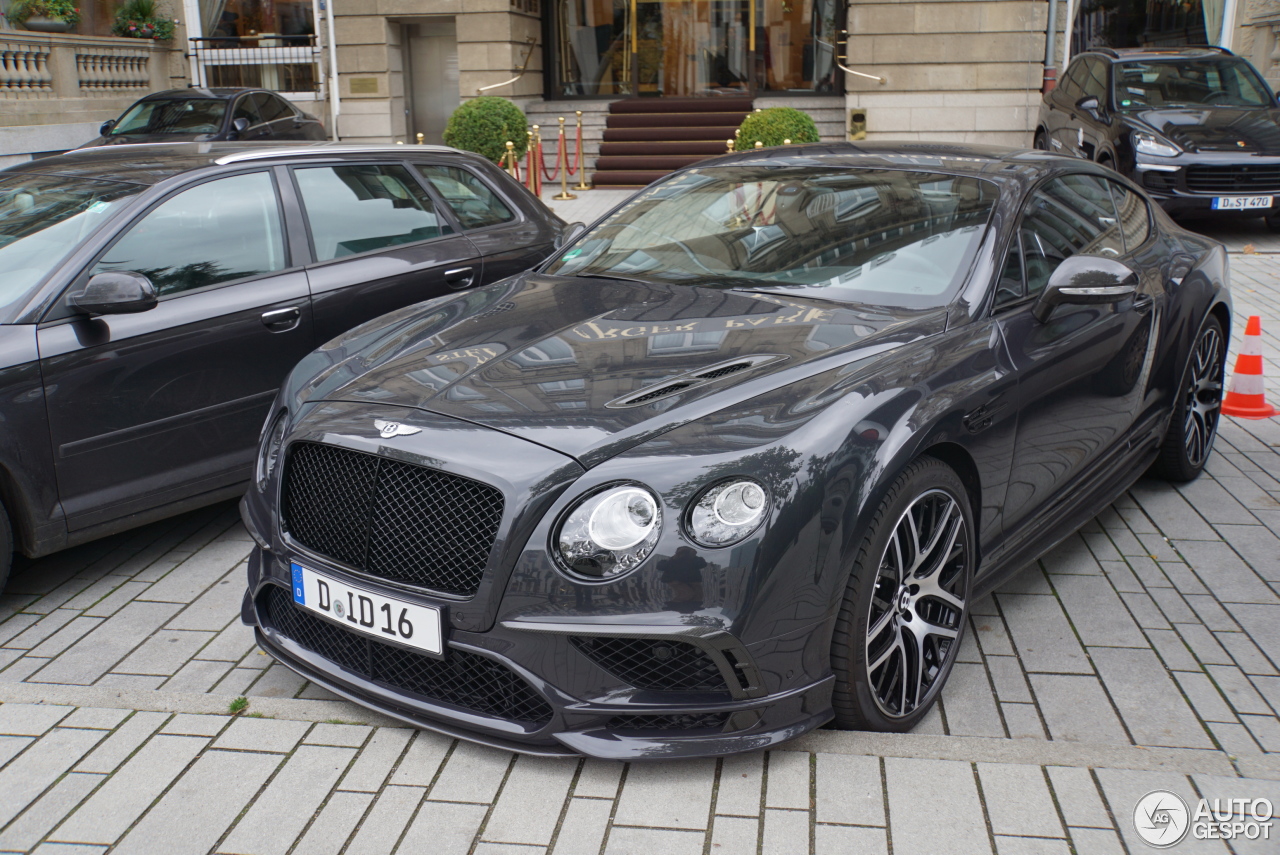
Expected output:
(1086, 280)
(239, 126)
(116, 292)
(1090, 105)
(571, 232)
(105, 127)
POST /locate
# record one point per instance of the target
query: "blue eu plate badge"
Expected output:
(299, 587)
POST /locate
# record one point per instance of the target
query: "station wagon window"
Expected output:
(475, 205)
(1069, 216)
(215, 232)
(1135, 216)
(355, 209)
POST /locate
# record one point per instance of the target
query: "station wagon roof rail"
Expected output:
(321, 151)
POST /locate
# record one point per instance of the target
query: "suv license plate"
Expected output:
(1241, 203)
(375, 615)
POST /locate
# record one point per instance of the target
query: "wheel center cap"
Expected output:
(904, 599)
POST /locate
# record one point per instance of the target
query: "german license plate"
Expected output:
(375, 615)
(1241, 203)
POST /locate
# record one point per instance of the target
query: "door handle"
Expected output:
(282, 320)
(459, 277)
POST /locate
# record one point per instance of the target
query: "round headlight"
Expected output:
(728, 512)
(269, 453)
(610, 532)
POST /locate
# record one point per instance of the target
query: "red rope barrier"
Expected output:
(550, 174)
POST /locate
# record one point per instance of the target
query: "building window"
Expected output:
(262, 44)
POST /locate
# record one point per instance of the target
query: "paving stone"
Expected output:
(43, 628)
(312, 692)
(954, 822)
(1182, 578)
(527, 809)
(1269, 688)
(788, 781)
(783, 829)
(1062, 699)
(197, 675)
(1214, 502)
(217, 607)
(1230, 579)
(1263, 625)
(65, 637)
(422, 761)
(117, 599)
(95, 654)
(984, 607)
(117, 747)
(1031, 846)
(11, 746)
(1257, 545)
(1074, 556)
(1043, 637)
(1022, 721)
(1239, 691)
(277, 817)
(1010, 682)
(1096, 612)
(473, 773)
(30, 719)
(969, 650)
(585, 824)
(1235, 739)
(1172, 650)
(200, 806)
(505, 849)
(190, 724)
(1204, 644)
(27, 775)
(1148, 700)
(277, 682)
(969, 703)
(1170, 511)
(129, 682)
(842, 838)
(15, 625)
(1078, 797)
(375, 762)
(22, 669)
(1219, 791)
(1159, 547)
(95, 718)
(1018, 800)
(345, 735)
(200, 572)
(992, 636)
(1123, 788)
(600, 778)
(849, 790)
(335, 823)
(1121, 577)
(1173, 606)
(125, 795)
(735, 834)
(237, 682)
(386, 821)
(1029, 580)
(67, 849)
(262, 734)
(1204, 696)
(741, 783)
(1211, 613)
(646, 841)
(26, 831)
(163, 653)
(231, 644)
(667, 795)
(1246, 654)
(1134, 518)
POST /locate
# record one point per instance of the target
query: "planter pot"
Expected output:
(41, 24)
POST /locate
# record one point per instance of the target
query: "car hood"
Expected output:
(135, 139)
(590, 367)
(1252, 131)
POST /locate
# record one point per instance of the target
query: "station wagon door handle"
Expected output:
(459, 277)
(282, 320)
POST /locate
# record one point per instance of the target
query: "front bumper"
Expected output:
(1188, 183)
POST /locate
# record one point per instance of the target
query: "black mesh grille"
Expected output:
(653, 663)
(1159, 181)
(688, 721)
(661, 391)
(1234, 179)
(723, 371)
(391, 519)
(463, 679)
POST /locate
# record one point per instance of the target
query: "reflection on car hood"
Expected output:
(561, 361)
(136, 139)
(1255, 131)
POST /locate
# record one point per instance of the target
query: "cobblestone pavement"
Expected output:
(1141, 654)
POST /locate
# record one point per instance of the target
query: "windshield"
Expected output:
(866, 236)
(1142, 85)
(191, 116)
(43, 218)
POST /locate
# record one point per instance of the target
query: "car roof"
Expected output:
(197, 93)
(151, 163)
(1179, 52)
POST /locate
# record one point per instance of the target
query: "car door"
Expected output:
(1061, 101)
(150, 408)
(1086, 129)
(508, 241)
(1079, 373)
(378, 243)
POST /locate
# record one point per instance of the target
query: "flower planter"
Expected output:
(41, 24)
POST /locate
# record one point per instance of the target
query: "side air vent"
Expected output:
(701, 377)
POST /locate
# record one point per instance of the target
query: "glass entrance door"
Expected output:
(687, 48)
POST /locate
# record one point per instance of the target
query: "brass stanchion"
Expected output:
(759, 144)
(728, 146)
(537, 168)
(509, 161)
(582, 160)
(786, 142)
(564, 193)
(421, 137)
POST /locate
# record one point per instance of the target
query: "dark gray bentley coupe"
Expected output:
(735, 463)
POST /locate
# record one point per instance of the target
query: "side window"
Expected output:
(215, 232)
(1068, 216)
(1072, 84)
(1010, 288)
(1135, 216)
(1095, 80)
(475, 205)
(247, 108)
(354, 209)
(272, 107)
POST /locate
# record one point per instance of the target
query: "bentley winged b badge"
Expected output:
(390, 429)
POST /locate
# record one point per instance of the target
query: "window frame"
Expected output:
(1151, 227)
(60, 308)
(518, 218)
(442, 210)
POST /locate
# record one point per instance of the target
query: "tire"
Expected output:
(1273, 222)
(1041, 142)
(1107, 162)
(6, 547)
(1197, 409)
(883, 683)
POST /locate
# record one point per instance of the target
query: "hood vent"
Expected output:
(701, 377)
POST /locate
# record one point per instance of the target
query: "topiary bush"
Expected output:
(773, 125)
(485, 124)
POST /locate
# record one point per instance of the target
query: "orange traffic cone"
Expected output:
(1247, 398)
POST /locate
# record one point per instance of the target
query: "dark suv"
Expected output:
(1197, 127)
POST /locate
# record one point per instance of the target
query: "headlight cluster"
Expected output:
(1152, 144)
(612, 531)
(269, 452)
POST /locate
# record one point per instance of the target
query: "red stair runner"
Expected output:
(647, 138)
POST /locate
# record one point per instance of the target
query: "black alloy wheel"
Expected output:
(1041, 142)
(900, 625)
(1197, 408)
